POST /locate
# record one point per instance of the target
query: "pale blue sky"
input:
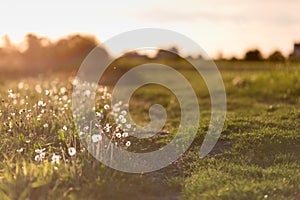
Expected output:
(217, 25)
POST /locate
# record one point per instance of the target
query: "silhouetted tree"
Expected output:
(233, 58)
(7, 43)
(200, 57)
(276, 56)
(33, 55)
(220, 56)
(253, 55)
(43, 55)
(71, 51)
(190, 57)
(133, 55)
(173, 50)
(9, 53)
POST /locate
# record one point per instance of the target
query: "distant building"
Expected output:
(296, 53)
(134, 55)
(171, 53)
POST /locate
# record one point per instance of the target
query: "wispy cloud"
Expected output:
(168, 16)
(269, 13)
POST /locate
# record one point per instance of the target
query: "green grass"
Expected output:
(256, 157)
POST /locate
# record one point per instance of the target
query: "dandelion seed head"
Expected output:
(116, 109)
(71, 151)
(65, 128)
(38, 158)
(43, 155)
(22, 101)
(63, 90)
(96, 138)
(11, 95)
(81, 133)
(87, 93)
(125, 134)
(75, 82)
(20, 85)
(123, 112)
(38, 89)
(47, 92)
(41, 103)
(118, 135)
(106, 107)
(20, 150)
(128, 125)
(98, 114)
(128, 143)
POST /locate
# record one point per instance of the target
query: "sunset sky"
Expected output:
(230, 26)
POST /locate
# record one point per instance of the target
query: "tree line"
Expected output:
(40, 54)
(256, 55)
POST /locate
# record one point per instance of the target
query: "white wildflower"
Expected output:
(38, 158)
(41, 103)
(20, 150)
(40, 150)
(125, 134)
(55, 159)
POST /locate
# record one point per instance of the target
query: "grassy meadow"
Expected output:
(256, 157)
